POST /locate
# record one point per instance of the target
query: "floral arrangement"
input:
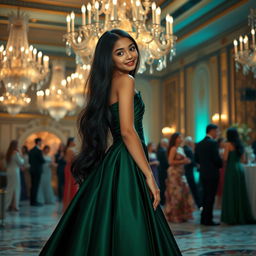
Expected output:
(244, 132)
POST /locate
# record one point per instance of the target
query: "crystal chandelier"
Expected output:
(56, 99)
(76, 83)
(20, 64)
(155, 42)
(14, 104)
(245, 54)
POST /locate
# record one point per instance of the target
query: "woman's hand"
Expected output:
(154, 190)
(187, 160)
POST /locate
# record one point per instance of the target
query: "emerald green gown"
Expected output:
(112, 213)
(236, 207)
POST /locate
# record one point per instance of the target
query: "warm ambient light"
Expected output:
(217, 117)
(155, 41)
(168, 130)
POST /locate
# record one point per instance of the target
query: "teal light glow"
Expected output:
(201, 83)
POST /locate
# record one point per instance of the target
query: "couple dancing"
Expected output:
(116, 210)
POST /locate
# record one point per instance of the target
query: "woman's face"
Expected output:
(72, 143)
(125, 55)
(46, 151)
(178, 141)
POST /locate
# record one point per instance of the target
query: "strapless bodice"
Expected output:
(139, 109)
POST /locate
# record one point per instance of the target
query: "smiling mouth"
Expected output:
(130, 63)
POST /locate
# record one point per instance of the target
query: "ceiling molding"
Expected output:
(211, 20)
(32, 116)
(44, 10)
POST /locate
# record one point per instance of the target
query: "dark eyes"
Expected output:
(121, 53)
(133, 48)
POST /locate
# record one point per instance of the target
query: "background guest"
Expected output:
(254, 148)
(24, 174)
(179, 201)
(36, 161)
(189, 169)
(207, 155)
(45, 193)
(70, 186)
(221, 144)
(163, 166)
(14, 161)
(60, 161)
(236, 208)
(153, 162)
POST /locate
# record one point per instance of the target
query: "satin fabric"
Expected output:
(236, 208)
(112, 213)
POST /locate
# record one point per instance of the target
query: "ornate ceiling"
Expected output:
(196, 22)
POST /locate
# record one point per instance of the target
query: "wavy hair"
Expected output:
(173, 141)
(94, 120)
(233, 137)
(13, 146)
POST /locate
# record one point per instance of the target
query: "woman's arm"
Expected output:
(69, 156)
(243, 159)
(18, 159)
(226, 151)
(171, 158)
(125, 93)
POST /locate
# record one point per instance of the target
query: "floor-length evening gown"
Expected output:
(45, 193)
(236, 207)
(112, 213)
(13, 180)
(179, 204)
(70, 186)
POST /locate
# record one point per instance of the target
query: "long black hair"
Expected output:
(233, 137)
(173, 141)
(95, 118)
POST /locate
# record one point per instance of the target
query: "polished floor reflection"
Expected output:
(25, 233)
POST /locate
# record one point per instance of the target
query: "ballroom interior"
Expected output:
(199, 68)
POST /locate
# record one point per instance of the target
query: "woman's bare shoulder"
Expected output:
(123, 80)
(228, 145)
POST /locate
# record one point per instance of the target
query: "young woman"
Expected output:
(24, 174)
(113, 213)
(61, 163)
(45, 194)
(70, 186)
(153, 162)
(179, 203)
(236, 207)
(14, 162)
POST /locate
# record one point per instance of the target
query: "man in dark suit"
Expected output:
(189, 169)
(207, 155)
(36, 161)
(163, 166)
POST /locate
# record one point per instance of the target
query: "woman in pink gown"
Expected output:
(70, 186)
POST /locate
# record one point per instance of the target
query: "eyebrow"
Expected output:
(123, 48)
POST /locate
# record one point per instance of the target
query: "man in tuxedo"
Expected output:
(36, 161)
(163, 166)
(207, 155)
(189, 169)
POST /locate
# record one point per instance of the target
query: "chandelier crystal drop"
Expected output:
(76, 84)
(245, 49)
(14, 103)
(56, 99)
(20, 63)
(155, 42)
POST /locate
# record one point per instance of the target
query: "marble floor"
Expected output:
(25, 232)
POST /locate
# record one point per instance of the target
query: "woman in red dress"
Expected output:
(70, 186)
